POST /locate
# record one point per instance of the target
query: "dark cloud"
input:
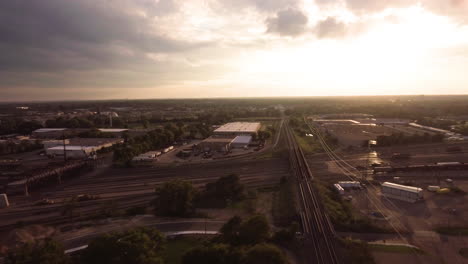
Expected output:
(288, 22)
(60, 35)
(330, 28)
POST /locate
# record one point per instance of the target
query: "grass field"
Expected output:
(284, 205)
(452, 231)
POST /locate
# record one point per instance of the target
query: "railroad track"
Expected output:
(318, 230)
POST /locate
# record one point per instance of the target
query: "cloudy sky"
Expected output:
(106, 49)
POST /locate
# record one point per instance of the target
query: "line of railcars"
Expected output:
(428, 167)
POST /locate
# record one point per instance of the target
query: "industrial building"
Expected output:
(241, 141)
(73, 152)
(49, 132)
(54, 143)
(222, 144)
(238, 129)
(402, 192)
(118, 132)
(148, 156)
(77, 148)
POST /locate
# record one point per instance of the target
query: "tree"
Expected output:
(47, 251)
(226, 189)
(265, 254)
(27, 127)
(137, 246)
(230, 230)
(254, 230)
(174, 198)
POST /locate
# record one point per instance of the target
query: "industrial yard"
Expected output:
(324, 174)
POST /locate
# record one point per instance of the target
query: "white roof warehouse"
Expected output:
(238, 128)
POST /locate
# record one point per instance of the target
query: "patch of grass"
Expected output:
(457, 191)
(395, 249)
(356, 252)
(284, 205)
(341, 213)
(452, 230)
(176, 247)
(463, 252)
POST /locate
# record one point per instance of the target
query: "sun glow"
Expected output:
(386, 59)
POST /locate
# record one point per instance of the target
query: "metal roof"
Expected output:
(68, 147)
(113, 130)
(242, 139)
(249, 127)
(42, 130)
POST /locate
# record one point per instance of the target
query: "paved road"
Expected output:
(83, 236)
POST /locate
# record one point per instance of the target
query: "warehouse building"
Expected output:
(238, 129)
(49, 132)
(241, 141)
(117, 132)
(54, 143)
(73, 152)
(222, 144)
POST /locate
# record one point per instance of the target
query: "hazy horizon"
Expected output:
(91, 49)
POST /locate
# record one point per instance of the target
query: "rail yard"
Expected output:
(353, 184)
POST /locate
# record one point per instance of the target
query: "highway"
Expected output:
(318, 230)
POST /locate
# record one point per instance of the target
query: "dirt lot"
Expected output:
(416, 221)
(354, 135)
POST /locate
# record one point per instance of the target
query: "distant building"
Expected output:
(49, 132)
(222, 144)
(54, 143)
(238, 129)
(118, 132)
(77, 148)
(73, 152)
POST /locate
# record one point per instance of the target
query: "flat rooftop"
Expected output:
(43, 130)
(67, 147)
(112, 130)
(239, 127)
(218, 139)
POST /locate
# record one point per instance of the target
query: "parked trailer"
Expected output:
(338, 188)
(166, 150)
(402, 192)
(350, 184)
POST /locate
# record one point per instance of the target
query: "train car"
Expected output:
(402, 192)
(350, 184)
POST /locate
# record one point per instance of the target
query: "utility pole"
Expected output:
(64, 148)
(26, 186)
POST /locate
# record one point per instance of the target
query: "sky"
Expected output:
(113, 49)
